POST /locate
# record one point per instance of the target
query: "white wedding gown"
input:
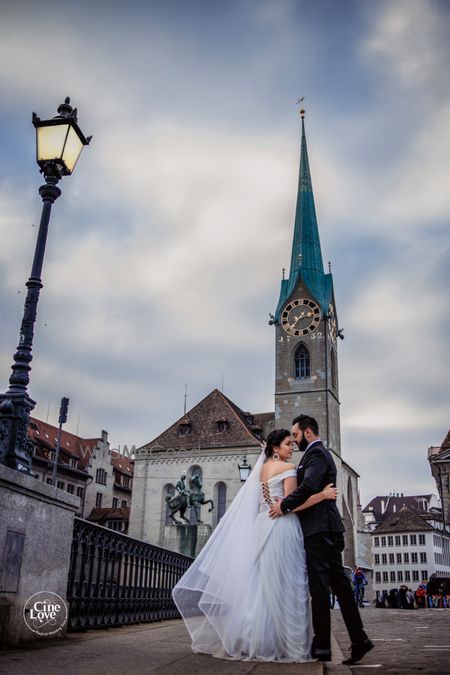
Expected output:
(246, 596)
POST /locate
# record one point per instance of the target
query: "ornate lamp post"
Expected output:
(244, 470)
(59, 142)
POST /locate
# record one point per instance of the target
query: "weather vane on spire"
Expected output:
(302, 110)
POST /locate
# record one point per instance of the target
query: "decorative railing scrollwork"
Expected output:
(116, 580)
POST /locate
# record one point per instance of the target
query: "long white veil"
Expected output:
(209, 593)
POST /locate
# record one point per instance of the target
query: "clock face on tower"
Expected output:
(300, 317)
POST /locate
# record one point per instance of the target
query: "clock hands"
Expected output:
(302, 315)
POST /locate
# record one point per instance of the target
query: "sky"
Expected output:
(165, 250)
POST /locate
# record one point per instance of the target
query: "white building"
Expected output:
(409, 548)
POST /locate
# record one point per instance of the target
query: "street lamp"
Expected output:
(244, 470)
(59, 142)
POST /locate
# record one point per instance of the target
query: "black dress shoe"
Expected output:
(321, 654)
(358, 649)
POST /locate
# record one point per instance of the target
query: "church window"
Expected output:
(221, 499)
(302, 363)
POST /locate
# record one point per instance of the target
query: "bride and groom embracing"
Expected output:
(260, 588)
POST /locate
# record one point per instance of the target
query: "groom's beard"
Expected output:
(302, 445)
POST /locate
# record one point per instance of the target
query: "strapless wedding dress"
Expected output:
(276, 615)
(261, 612)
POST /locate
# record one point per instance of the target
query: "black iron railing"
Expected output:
(116, 580)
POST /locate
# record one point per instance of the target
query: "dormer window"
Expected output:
(222, 424)
(185, 427)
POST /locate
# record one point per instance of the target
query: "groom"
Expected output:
(324, 542)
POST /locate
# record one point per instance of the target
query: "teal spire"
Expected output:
(306, 256)
(306, 252)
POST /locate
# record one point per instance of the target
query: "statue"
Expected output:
(197, 497)
(179, 502)
(181, 485)
(194, 497)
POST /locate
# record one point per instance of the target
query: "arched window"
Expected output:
(302, 363)
(220, 501)
(333, 369)
(350, 497)
(168, 489)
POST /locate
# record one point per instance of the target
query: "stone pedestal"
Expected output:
(186, 539)
(36, 530)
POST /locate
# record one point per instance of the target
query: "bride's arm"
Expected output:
(329, 492)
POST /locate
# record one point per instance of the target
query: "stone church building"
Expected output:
(213, 438)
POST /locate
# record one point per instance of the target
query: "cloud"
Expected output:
(165, 250)
(405, 37)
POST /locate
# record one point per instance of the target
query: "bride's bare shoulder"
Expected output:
(276, 471)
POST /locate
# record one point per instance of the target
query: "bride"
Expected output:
(246, 595)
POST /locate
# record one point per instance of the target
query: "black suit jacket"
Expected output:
(315, 471)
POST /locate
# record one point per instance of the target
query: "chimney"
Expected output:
(382, 506)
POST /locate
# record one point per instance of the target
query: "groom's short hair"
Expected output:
(306, 422)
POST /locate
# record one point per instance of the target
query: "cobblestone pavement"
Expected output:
(157, 648)
(406, 641)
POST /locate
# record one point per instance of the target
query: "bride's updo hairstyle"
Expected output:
(274, 440)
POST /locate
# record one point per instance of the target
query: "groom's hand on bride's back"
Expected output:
(275, 510)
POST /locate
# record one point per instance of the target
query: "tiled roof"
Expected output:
(204, 430)
(123, 464)
(404, 520)
(392, 504)
(99, 515)
(44, 434)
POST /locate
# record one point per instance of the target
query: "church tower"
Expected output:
(306, 328)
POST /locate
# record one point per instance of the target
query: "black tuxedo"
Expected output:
(315, 471)
(324, 542)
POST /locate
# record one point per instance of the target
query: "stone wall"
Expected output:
(36, 529)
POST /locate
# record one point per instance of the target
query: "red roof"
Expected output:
(123, 464)
(240, 430)
(42, 433)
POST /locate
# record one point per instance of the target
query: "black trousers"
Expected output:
(325, 571)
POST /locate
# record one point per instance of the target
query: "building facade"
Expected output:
(439, 459)
(409, 548)
(211, 440)
(87, 468)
